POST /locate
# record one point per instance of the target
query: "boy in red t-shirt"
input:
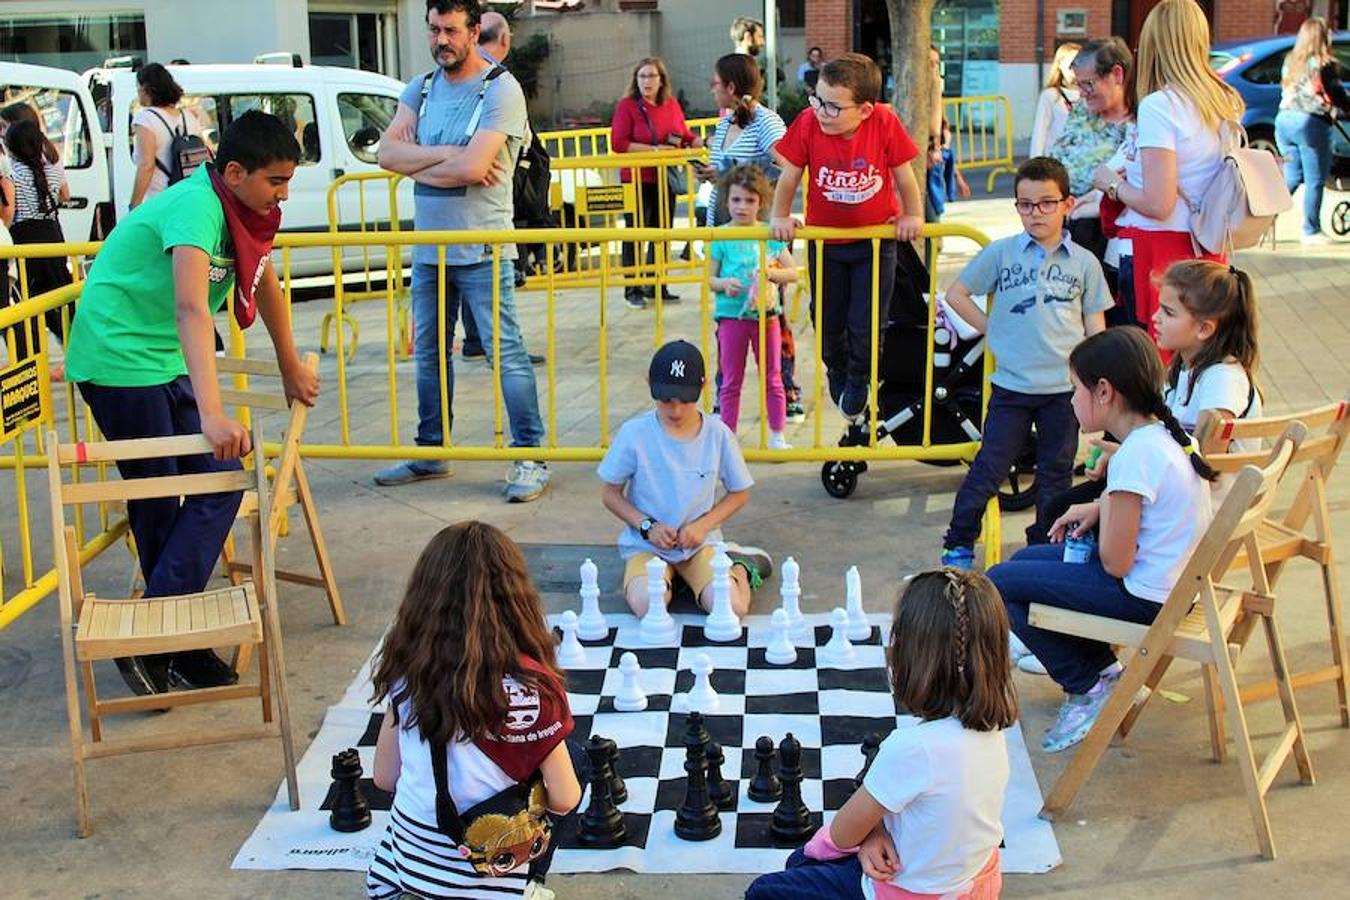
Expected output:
(858, 153)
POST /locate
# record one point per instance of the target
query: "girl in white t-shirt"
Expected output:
(1207, 318)
(927, 820)
(1154, 510)
(468, 667)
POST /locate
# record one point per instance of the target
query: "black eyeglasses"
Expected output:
(1044, 207)
(830, 110)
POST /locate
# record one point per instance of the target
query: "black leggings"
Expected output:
(651, 218)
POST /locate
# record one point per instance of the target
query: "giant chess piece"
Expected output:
(617, 789)
(591, 624)
(630, 697)
(871, 745)
(791, 818)
(601, 824)
(859, 629)
(696, 819)
(765, 786)
(350, 810)
(791, 592)
(658, 628)
(722, 624)
(570, 653)
(722, 792)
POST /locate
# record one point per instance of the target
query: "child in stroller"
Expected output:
(956, 399)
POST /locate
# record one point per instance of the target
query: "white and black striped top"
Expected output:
(752, 145)
(415, 858)
(26, 197)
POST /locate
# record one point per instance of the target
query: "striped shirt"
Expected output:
(753, 145)
(26, 195)
(413, 857)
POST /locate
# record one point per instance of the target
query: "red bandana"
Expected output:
(535, 724)
(251, 234)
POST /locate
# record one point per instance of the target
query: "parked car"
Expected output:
(1252, 66)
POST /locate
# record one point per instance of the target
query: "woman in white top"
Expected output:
(1182, 108)
(153, 129)
(1059, 96)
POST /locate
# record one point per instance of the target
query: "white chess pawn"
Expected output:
(657, 628)
(791, 592)
(702, 697)
(838, 651)
(859, 629)
(723, 624)
(780, 651)
(591, 626)
(630, 696)
(570, 651)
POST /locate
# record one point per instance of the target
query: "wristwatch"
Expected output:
(1113, 189)
(645, 527)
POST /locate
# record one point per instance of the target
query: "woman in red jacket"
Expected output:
(648, 117)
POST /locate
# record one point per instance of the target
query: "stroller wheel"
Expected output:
(1019, 492)
(1340, 218)
(840, 479)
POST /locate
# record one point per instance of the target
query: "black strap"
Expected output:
(447, 815)
(182, 120)
(656, 142)
(495, 72)
(1251, 397)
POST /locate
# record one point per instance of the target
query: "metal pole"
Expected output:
(771, 51)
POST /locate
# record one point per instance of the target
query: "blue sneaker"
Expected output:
(411, 470)
(853, 400)
(962, 558)
(1078, 713)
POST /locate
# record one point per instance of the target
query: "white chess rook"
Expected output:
(658, 629)
(791, 592)
(591, 626)
(630, 696)
(702, 696)
(723, 624)
(838, 651)
(780, 651)
(859, 629)
(570, 651)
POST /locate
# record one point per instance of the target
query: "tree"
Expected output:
(911, 37)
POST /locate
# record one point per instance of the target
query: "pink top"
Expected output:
(631, 125)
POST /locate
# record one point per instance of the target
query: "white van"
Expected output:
(338, 115)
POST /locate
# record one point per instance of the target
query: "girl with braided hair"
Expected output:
(1153, 511)
(927, 819)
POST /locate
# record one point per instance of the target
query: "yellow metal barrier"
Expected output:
(981, 133)
(594, 296)
(573, 143)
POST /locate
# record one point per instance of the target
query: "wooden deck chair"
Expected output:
(1287, 537)
(1195, 623)
(290, 484)
(94, 628)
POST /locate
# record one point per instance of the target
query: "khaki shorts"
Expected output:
(696, 571)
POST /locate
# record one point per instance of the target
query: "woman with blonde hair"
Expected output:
(1310, 95)
(1185, 115)
(1059, 96)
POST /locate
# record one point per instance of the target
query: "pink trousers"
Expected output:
(734, 338)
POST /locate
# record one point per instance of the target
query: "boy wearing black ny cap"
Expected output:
(661, 474)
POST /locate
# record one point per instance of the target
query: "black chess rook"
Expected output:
(765, 786)
(696, 819)
(791, 819)
(350, 811)
(722, 792)
(870, 746)
(601, 824)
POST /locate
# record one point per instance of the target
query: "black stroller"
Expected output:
(958, 373)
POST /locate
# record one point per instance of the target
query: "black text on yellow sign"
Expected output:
(23, 401)
(607, 198)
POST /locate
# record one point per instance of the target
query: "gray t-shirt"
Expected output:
(449, 112)
(1036, 309)
(672, 481)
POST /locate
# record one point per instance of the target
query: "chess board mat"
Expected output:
(829, 709)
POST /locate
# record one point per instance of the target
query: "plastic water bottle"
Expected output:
(1078, 549)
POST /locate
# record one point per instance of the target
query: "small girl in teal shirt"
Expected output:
(734, 266)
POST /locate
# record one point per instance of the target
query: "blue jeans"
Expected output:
(810, 879)
(472, 286)
(1305, 144)
(1007, 427)
(1040, 575)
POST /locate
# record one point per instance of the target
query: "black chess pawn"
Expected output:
(696, 819)
(617, 789)
(791, 818)
(722, 792)
(601, 824)
(350, 810)
(765, 786)
(870, 746)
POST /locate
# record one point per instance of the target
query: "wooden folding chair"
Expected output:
(1195, 623)
(290, 484)
(1287, 538)
(94, 628)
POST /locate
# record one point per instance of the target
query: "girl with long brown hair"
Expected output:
(467, 666)
(1311, 94)
(936, 784)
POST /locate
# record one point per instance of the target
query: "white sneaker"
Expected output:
(526, 481)
(1316, 239)
(778, 442)
(536, 891)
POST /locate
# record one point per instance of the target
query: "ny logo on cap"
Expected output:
(677, 368)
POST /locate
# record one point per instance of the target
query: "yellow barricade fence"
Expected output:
(981, 133)
(593, 357)
(573, 143)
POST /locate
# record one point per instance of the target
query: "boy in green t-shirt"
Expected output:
(142, 351)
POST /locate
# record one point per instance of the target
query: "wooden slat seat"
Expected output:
(225, 617)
